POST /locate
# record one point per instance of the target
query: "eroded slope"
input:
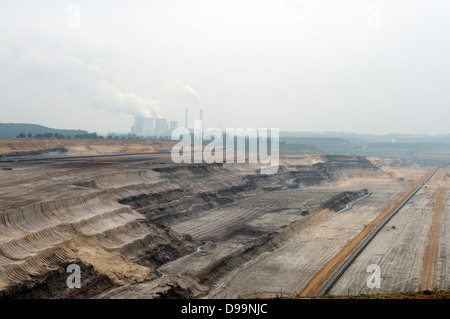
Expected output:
(161, 230)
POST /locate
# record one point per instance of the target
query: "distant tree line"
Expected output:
(39, 135)
(136, 137)
(57, 135)
(88, 135)
(11, 130)
(92, 136)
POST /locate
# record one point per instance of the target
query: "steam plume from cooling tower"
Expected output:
(180, 89)
(86, 80)
(107, 96)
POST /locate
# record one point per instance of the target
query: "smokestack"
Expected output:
(186, 119)
(201, 115)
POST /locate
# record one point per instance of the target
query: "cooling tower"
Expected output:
(160, 126)
(173, 125)
(148, 126)
(138, 122)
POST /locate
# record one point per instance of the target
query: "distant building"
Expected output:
(148, 126)
(138, 122)
(173, 125)
(161, 127)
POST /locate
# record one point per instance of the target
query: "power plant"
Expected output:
(157, 127)
(173, 125)
(149, 126)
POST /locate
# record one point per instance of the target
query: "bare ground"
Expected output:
(155, 229)
(427, 279)
(313, 286)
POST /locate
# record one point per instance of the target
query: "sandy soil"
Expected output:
(427, 279)
(211, 230)
(83, 146)
(410, 249)
(313, 286)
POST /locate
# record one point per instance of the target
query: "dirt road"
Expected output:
(316, 282)
(427, 279)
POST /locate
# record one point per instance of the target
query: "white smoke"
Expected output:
(85, 80)
(180, 89)
(107, 96)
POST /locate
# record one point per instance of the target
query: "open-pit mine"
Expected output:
(140, 226)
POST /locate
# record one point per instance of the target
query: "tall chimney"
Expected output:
(186, 119)
(201, 115)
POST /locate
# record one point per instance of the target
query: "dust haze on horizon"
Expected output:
(373, 67)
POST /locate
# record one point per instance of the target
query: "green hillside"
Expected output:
(14, 129)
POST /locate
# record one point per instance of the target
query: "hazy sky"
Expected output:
(352, 66)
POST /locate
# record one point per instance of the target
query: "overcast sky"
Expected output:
(352, 66)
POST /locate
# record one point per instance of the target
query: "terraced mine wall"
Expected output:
(59, 150)
(136, 227)
(341, 200)
(53, 284)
